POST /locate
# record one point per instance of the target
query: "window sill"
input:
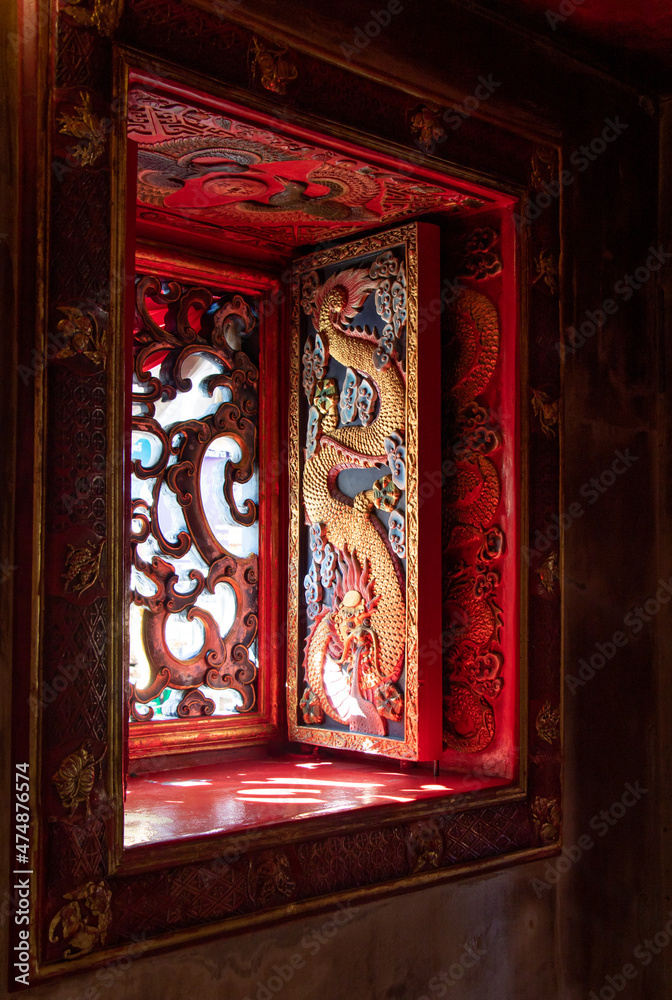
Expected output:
(263, 795)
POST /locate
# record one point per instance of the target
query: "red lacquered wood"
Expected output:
(249, 794)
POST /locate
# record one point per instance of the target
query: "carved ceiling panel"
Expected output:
(202, 169)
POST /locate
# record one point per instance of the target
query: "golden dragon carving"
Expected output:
(366, 624)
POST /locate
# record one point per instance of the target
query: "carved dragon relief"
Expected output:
(474, 543)
(355, 586)
(195, 325)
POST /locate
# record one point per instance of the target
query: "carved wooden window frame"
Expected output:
(81, 866)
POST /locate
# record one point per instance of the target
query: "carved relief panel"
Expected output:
(365, 431)
(481, 501)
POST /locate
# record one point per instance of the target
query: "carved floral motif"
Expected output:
(86, 126)
(270, 66)
(270, 878)
(82, 566)
(547, 271)
(75, 777)
(548, 723)
(546, 819)
(425, 845)
(82, 924)
(85, 333)
(426, 124)
(548, 572)
(386, 493)
(542, 168)
(103, 15)
(545, 410)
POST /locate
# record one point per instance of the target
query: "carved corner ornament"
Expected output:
(481, 260)
(269, 66)
(103, 15)
(426, 126)
(546, 819)
(82, 566)
(86, 126)
(82, 924)
(545, 410)
(548, 723)
(269, 878)
(75, 777)
(84, 333)
(547, 271)
(549, 573)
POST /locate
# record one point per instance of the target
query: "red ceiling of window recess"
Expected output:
(214, 171)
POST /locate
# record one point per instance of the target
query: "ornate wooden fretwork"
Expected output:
(188, 340)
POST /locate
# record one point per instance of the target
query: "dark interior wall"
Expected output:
(534, 931)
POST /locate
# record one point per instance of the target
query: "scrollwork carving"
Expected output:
(481, 260)
(188, 355)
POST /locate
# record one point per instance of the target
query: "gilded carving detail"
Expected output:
(548, 723)
(546, 411)
(427, 127)
(270, 66)
(75, 777)
(547, 271)
(546, 819)
(548, 572)
(425, 845)
(270, 879)
(82, 566)
(85, 333)
(82, 924)
(103, 15)
(86, 126)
